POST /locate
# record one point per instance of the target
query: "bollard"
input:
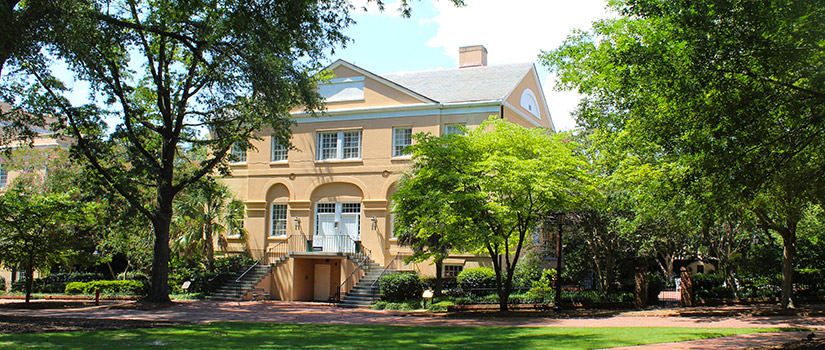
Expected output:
(97, 297)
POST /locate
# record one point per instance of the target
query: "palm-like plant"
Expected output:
(204, 214)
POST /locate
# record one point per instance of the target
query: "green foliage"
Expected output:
(205, 212)
(75, 287)
(477, 281)
(400, 305)
(446, 283)
(485, 193)
(36, 228)
(2, 284)
(655, 284)
(682, 82)
(125, 287)
(397, 287)
(710, 286)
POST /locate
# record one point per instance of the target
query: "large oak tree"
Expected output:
(733, 89)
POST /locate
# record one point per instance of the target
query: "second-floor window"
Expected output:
(279, 151)
(339, 145)
(401, 138)
(453, 129)
(239, 153)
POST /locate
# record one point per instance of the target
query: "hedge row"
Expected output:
(129, 287)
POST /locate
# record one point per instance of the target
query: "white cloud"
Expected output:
(517, 31)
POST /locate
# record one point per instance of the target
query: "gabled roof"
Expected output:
(383, 80)
(465, 84)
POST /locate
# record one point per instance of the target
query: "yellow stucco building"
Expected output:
(319, 215)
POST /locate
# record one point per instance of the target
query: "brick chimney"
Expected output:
(472, 56)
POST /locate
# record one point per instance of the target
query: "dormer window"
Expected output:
(530, 103)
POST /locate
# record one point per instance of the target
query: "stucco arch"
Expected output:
(272, 184)
(337, 192)
(278, 192)
(315, 185)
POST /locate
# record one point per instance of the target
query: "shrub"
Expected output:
(528, 270)
(709, 285)
(447, 283)
(440, 306)
(75, 287)
(3, 283)
(655, 284)
(398, 287)
(478, 281)
(129, 287)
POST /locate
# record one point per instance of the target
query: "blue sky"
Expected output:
(512, 31)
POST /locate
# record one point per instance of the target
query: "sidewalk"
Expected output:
(302, 312)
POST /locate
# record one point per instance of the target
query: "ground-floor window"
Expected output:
(278, 219)
(452, 271)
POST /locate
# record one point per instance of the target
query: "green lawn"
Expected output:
(231, 335)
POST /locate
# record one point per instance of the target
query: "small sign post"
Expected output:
(428, 294)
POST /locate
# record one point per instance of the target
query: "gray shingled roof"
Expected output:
(465, 84)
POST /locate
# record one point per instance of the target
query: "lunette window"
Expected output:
(339, 145)
(401, 138)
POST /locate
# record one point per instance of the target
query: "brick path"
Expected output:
(297, 312)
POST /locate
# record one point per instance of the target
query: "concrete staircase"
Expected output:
(364, 294)
(234, 290)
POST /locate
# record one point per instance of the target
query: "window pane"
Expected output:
(453, 129)
(401, 137)
(351, 208)
(279, 151)
(239, 153)
(278, 219)
(327, 145)
(352, 144)
(326, 208)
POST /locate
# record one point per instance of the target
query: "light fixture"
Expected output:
(297, 223)
(374, 223)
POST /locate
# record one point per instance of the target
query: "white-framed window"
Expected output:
(4, 177)
(239, 153)
(339, 145)
(278, 219)
(279, 150)
(452, 271)
(528, 102)
(401, 138)
(455, 128)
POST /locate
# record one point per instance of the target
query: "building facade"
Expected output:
(311, 210)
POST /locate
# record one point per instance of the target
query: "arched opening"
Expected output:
(337, 217)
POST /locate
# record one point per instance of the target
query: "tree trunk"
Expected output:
(29, 278)
(159, 289)
(789, 252)
(439, 263)
(209, 246)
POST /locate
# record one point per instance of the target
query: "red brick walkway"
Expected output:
(283, 312)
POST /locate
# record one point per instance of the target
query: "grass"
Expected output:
(236, 335)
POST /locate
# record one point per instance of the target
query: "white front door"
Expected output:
(322, 273)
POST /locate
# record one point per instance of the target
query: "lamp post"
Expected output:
(559, 261)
